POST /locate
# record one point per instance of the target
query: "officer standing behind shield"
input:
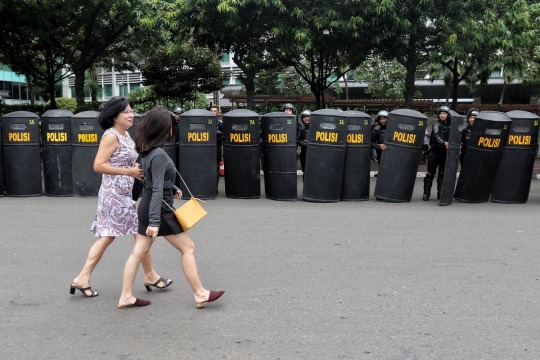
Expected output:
(302, 137)
(219, 139)
(378, 134)
(466, 133)
(177, 111)
(440, 135)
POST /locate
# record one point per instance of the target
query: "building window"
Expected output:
(73, 94)
(108, 90)
(226, 81)
(224, 57)
(24, 92)
(15, 92)
(133, 87)
(238, 82)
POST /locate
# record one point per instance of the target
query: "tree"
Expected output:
(385, 79)
(33, 48)
(410, 31)
(244, 27)
(181, 74)
(70, 35)
(323, 40)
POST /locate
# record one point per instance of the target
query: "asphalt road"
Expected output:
(362, 280)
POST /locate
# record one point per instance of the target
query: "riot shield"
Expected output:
(514, 174)
(278, 134)
(405, 132)
(486, 145)
(452, 159)
(325, 156)
(355, 186)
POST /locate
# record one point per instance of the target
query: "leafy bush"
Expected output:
(64, 104)
(9, 108)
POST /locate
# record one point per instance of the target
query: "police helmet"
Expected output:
(288, 106)
(305, 113)
(380, 114)
(178, 110)
(444, 108)
(472, 112)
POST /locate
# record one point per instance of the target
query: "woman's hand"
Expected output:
(136, 173)
(178, 194)
(383, 147)
(152, 232)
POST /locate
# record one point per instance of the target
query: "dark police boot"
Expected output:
(439, 187)
(427, 188)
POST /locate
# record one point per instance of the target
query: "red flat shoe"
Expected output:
(214, 295)
(138, 302)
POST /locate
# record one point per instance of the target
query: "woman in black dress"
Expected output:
(155, 217)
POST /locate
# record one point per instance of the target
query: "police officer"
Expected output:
(466, 132)
(378, 134)
(219, 138)
(440, 134)
(302, 130)
(177, 111)
(288, 108)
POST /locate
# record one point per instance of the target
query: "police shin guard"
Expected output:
(439, 186)
(427, 188)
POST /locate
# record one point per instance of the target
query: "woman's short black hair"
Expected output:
(110, 110)
(154, 130)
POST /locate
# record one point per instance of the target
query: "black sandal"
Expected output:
(83, 290)
(148, 286)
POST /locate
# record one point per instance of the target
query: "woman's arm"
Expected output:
(108, 145)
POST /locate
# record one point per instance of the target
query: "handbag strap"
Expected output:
(190, 194)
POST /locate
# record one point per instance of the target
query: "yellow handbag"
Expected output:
(191, 212)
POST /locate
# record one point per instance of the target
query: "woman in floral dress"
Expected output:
(117, 212)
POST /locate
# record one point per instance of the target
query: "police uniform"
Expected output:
(301, 137)
(465, 136)
(378, 135)
(440, 134)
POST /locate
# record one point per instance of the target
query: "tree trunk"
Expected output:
(346, 88)
(501, 98)
(79, 88)
(249, 83)
(455, 88)
(410, 65)
(50, 87)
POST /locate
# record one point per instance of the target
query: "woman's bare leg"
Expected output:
(141, 248)
(94, 255)
(186, 247)
(150, 275)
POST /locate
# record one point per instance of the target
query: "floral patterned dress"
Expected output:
(117, 212)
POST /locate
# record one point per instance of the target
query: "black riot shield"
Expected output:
(325, 156)
(452, 159)
(405, 133)
(57, 152)
(197, 154)
(22, 162)
(355, 185)
(278, 135)
(514, 174)
(241, 148)
(86, 135)
(1, 162)
(484, 152)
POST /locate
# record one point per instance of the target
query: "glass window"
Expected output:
(238, 81)
(226, 81)
(108, 90)
(73, 95)
(496, 73)
(133, 87)
(15, 91)
(24, 92)
(225, 57)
